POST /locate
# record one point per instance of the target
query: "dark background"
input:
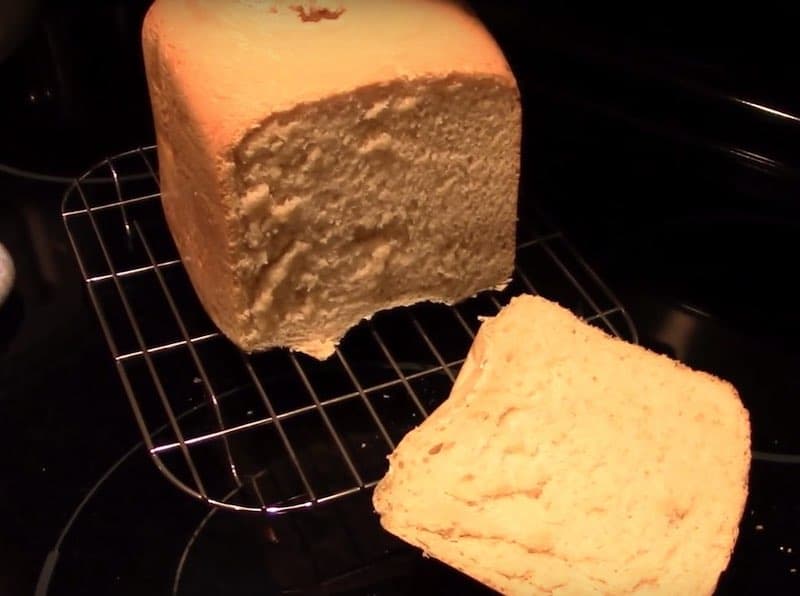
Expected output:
(641, 138)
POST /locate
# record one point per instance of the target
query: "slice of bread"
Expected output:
(566, 461)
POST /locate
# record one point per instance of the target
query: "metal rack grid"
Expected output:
(278, 431)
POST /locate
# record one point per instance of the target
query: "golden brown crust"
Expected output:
(239, 62)
(193, 190)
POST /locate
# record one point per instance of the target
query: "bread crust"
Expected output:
(237, 63)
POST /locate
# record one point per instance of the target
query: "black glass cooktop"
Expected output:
(89, 513)
(680, 195)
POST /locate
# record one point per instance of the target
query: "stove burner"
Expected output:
(134, 534)
(161, 541)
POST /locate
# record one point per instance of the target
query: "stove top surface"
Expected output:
(691, 221)
(87, 511)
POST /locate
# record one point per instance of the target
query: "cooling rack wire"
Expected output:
(278, 431)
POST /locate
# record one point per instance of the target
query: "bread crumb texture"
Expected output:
(385, 197)
(567, 462)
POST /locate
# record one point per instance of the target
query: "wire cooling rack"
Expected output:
(278, 431)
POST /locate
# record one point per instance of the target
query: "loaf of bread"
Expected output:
(569, 462)
(321, 161)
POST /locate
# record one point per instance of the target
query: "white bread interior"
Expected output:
(321, 163)
(566, 462)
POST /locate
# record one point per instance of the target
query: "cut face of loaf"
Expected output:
(569, 462)
(383, 197)
(352, 172)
